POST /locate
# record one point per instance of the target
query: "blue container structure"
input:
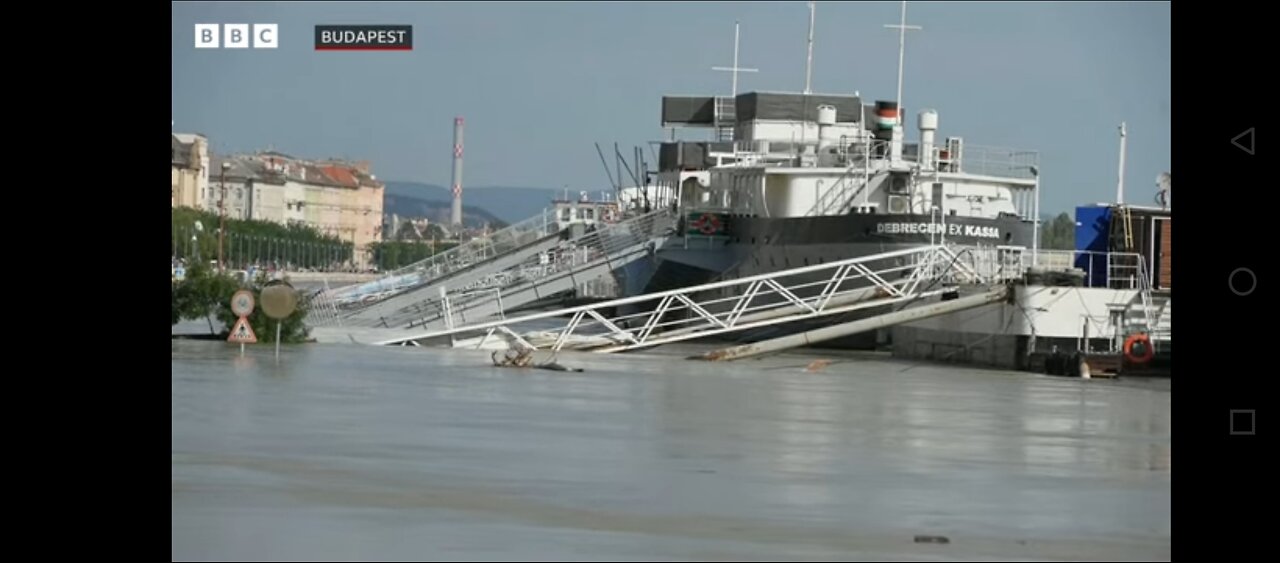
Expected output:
(1093, 233)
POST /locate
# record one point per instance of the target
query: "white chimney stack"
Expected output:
(928, 127)
(456, 216)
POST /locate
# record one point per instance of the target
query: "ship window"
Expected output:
(566, 214)
(772, 264)
(806, 261)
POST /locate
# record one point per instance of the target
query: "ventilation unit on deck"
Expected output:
(899, 205)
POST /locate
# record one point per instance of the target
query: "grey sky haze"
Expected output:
(539, 82)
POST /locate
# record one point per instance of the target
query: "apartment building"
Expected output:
(339, 198)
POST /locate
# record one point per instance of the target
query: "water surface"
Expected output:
(358, 453)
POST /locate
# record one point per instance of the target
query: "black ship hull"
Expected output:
(754, 246)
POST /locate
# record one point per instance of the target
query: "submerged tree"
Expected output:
(292, 328)
(206, 293)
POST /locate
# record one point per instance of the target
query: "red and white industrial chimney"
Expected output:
(456, 217)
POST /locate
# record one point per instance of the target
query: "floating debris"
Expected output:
(523, 358)
(513, 358)
(817, 365)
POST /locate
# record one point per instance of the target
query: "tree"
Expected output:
(393, 255)
(205, 293)
(292, 328)
(201, 293)
(248, 241)
(1058, 233)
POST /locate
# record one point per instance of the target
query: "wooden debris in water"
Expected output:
(817, 365)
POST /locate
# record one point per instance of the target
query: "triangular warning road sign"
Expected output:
(242, 332)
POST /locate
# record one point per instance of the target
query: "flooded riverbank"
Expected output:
(359, 453)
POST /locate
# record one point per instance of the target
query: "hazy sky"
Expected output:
(539, 82)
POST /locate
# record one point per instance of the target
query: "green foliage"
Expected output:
(292, 329)
(393, 255)
(200, 293)
(205, 292)
(251, 241)
(1058, 233)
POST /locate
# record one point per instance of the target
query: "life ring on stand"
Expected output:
(707, 224)
(1137, 349)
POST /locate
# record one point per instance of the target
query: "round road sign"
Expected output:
(242, 303)
(279, 300)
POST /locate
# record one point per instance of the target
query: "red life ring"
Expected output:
(707, 224)
(1137, 349)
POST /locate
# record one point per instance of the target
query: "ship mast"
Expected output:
(1120, 182)
(902, 50)
(808, 66)
(735, 69)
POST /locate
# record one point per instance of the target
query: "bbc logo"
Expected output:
(237, 36)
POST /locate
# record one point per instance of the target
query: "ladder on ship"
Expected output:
(899, 277)
(1123, 224)
(725, 118)
(842, 196)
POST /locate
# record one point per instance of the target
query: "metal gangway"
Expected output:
(540, 271)
(541, 229)
(902, 277)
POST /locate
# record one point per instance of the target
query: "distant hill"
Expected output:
(438, 211)
(508, 204)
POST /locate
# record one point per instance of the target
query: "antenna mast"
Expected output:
(902, 50)
(734, 69)
(1120, 183)
(808, 67)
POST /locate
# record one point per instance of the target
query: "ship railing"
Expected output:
(985, 160)
(594, 245)
(977, 264)
(847, 151)
(1114, 270)
(464, 255)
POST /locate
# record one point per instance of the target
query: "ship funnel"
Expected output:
(826, 133)
(928, 127)
(826, 115)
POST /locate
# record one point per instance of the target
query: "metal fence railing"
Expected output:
(466, 254)
(613, 242)
(242, 252)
